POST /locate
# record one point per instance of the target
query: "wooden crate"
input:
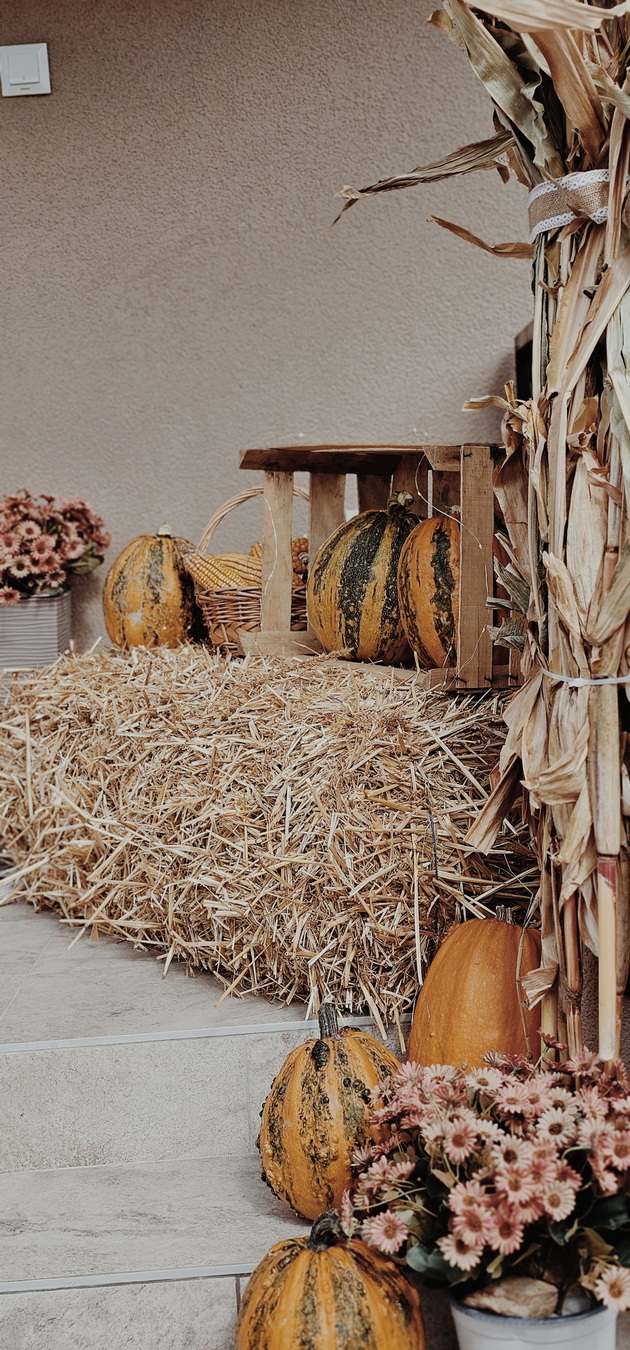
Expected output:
(448, 476)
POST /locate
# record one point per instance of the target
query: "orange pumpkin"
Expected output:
(148, 596)
(327, 1293)
(428, 590)
(469, 1002)
(317, 1113)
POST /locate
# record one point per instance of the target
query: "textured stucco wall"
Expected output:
(172, 289)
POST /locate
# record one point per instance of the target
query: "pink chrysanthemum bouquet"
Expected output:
(42, 540)
(511, 1169)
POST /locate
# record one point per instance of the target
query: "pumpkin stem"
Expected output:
(328, 1021)
(326, 1231)
(399, 502)
(165, 530)
(505, 914)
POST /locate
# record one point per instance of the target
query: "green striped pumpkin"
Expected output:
(353, 601)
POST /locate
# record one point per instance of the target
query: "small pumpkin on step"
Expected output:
(327, 1292)
(317, 1114)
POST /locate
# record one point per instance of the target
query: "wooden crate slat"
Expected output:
(327, 508)
(277, 567)
(326, 458)
(412, 475)
(281, 643)
(374, 491)
(474, 646)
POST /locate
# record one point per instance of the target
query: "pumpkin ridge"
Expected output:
(258, 1307)
(442, 598)
(309, 1306)
(403, 1298)
(355, 1125)
(348, 530)
(316, 1125)
(273, 1113)
(352, 1324)
(355, 577)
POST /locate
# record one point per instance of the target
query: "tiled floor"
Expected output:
(130, 1161)
(125, 1168)
(114, 988)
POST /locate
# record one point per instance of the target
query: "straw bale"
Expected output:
(295, 829)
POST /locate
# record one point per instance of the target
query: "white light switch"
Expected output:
(24, 70)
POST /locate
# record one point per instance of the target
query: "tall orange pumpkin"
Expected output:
(325, 1292)
(469, 1002)
(148, 596)
(428, 590)
(317, 1113)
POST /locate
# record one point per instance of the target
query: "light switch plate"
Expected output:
(24, 70)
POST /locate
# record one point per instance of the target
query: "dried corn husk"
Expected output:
(558, 75)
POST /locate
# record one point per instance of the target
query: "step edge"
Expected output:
(115, 1278)
(196, 1033)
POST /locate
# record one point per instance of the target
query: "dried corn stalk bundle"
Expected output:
(558, 75)
(295, 828)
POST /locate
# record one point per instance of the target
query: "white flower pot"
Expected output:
(476, 1330)
(35, 631)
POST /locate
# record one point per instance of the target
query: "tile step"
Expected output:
(137, 1102)
(57, 985)
(102, 1061)
(195, 1313)
(211, 1214)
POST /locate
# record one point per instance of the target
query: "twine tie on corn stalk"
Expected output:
(554, 204)
(581, 682)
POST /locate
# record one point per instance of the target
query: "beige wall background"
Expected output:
(172, 287)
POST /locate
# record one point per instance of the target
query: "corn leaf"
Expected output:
(498, 250)
(528, 16)
(610, 92)
(608, 296)
(477, 155)
(507, 86)
(618, 354)
(573, 309)
(616, 604)
(536, 983)
(575, 88)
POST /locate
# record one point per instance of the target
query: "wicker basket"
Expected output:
(227, 610)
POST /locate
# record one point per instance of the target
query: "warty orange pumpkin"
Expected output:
(428, 590)
(317, 1113)
(326, 1292)
(470, 1002)
(352, 597)
(148, 596)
